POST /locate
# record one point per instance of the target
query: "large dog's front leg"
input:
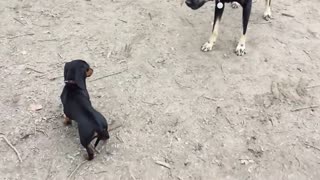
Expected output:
(212, 40)
(267, 12)
(241, 47)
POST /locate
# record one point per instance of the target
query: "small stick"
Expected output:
(12, 147)
(13, 37)
(83, 162)
(100, 172)
(60, 55)
(151, 64)
(180, 85)
(134, 178)
(150, 16)
(151, 104)
(268, 22)
(208, 98)
(310, 87)
(123, 21)
(298, 161)
(308, 54)
(228, 120)
(108, 75)
(115, 127)
(45, 40)
(29, 68)
(119, 138)
(166, 165)
(308, 145)
(19, 21)
(304, 108)
(42, 131)
(54, 78)
(288, 15)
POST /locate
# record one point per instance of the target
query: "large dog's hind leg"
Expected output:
(241, 47)
(212, 40)
(267, 13)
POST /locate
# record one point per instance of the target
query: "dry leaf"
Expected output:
(35, 107)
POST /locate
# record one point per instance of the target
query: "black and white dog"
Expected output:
(246, 5)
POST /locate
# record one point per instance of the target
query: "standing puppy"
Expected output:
(246, 5)
(77, 106)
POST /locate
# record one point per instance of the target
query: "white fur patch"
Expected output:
(241, 47)
(212, 40)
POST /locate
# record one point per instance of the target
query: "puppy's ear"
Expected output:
(80, 77)
(66, 69)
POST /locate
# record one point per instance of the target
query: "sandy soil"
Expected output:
(203, 115)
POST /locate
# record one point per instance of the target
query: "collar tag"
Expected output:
(220, 5)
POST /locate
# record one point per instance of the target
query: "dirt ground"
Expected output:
(203, 115)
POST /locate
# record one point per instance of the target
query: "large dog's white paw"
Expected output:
(207, 46)
(241, 49)
(234, 5)
(267, 14)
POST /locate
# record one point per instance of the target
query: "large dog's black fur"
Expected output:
(77, 106)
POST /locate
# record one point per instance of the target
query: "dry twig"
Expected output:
(75, 170)
(308, 54)
(288, 15)
(310, 87)
(31, 69)
(13, 37)
(304, 108)
(115, 127)
(308, 145)
(16, 19)
(166, 165)
(12, 147)
(109, 75)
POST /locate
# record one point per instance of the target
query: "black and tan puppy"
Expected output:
(220, 4)
(77, 106)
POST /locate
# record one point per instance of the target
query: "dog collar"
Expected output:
(69, 82)
(219, 5)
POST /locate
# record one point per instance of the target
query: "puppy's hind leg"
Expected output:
(85, 140)
(90, 152)
(267, 13)
(241, 47)
(213, 38)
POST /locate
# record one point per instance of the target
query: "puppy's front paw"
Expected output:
(241, 49)
(88, 157)
(234, 5)
(207, 46)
